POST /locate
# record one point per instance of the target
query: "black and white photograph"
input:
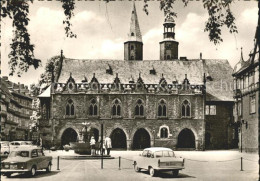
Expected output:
(133, 90)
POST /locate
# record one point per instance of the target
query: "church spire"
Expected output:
(135, 32)
(133, 47)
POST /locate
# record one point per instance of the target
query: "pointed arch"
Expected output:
(162, 108)
(186, 109)
(116, 107)
(70, 109)
(93, 108)
(139, 108)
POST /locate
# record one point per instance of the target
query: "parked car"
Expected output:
(158, 159)
(26, 160)
(18, 144)
(5, 149)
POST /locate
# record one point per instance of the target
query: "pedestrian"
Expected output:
(98, 147)
(108, 144)
(92, 145)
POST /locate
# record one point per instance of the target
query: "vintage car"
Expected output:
(26, 160)
(5, 149)
(156, 159)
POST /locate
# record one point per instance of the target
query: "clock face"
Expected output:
(168, 46)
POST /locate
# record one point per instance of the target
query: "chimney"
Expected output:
(200, 56)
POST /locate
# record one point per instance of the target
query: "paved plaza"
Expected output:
(199, 165)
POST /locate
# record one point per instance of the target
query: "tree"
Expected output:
(22, 51)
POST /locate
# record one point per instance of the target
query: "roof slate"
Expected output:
(220, 88)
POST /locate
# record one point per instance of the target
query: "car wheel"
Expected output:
(151, 171)
(137, 169)
(175, 173)
(33, 171)
(48, 169)
(8, 175)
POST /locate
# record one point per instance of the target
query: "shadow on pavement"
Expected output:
(39, 174)
(168, 175)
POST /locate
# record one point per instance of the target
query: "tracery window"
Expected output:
(162, 108)
(93, 108)
(116, 108)
(185, 110)
(139, 108)
(70, 108)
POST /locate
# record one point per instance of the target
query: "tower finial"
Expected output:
(241, 58)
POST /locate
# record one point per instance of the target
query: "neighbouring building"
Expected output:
(16, 109)
(246, 94)
(171, 102)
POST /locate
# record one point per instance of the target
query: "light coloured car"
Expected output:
(26, 160)
(156, 159)
(5, 149)
(18, 144)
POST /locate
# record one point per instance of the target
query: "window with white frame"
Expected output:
(210, 110)
(252, 104)
(164, 132)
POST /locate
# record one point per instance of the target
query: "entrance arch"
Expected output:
(69, 135)
(141, 139)
(186, 139)
(118, 139)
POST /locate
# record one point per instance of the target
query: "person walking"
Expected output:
(108, 144)
(92, 145)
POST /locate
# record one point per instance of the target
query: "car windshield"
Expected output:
(19, 154)
(164, 154)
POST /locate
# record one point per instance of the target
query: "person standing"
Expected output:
(108, 144)
(92, 145)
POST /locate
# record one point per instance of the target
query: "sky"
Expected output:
(102, 28)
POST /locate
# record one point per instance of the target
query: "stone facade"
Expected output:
(128, 122)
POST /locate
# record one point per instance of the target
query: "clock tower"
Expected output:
(169, 46)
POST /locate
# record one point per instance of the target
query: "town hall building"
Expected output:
(173, 102)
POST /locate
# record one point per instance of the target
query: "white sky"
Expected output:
(102, 29)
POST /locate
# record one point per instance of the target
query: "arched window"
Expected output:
(185, 110)
(139, 108)
(70, 108)
(164, 132)
(116, 108)
(132, 34)
(162, 108)
(132, 47)
(93, 108)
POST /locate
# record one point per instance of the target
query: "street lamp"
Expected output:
(241, 125)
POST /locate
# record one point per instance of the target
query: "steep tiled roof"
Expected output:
(131, 69)
(219, 70)
(220, 88)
